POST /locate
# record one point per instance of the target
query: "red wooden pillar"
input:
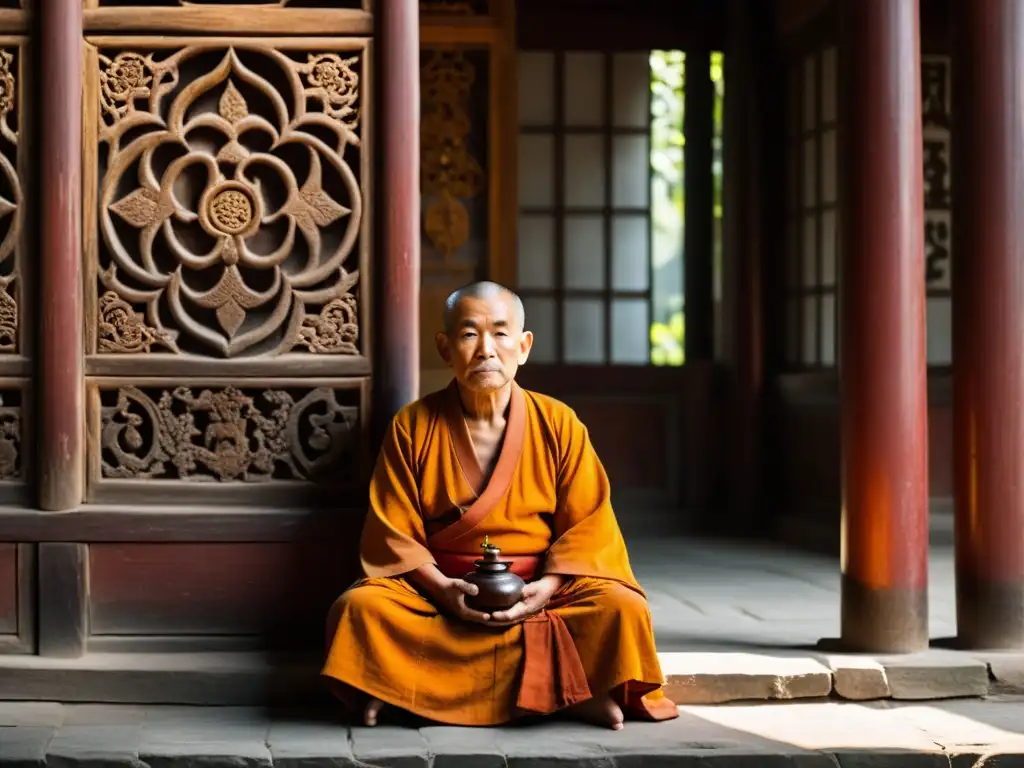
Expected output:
(398, 28)
(882, 330)
(61, 397)
(988, 321)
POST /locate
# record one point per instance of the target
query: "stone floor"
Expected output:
(717, 595)
(735, 623)
(805, 735)
(745, 621)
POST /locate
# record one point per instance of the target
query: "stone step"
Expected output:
(254, 678)
(950, 733)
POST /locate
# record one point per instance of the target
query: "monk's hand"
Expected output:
(452, 597)
(536, 596)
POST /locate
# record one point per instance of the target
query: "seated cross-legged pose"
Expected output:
(485, 458)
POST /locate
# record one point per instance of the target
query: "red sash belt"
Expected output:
(455, 565)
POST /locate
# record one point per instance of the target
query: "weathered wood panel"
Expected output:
(17, 598)
(225, 18)
(940, 452)
(63, 609)
(279, 590)
(186, 523)
(804, 455)
(654, 428)
(8, 589)
(13, 17)
(615, 422)
(591, 25)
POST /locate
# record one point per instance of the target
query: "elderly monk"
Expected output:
(485, 458)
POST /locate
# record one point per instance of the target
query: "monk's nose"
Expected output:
(486, 346)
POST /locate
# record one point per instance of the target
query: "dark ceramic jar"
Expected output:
(500, 589)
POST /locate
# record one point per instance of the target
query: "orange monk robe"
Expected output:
(547, 506)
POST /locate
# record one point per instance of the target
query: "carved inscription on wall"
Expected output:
(228, 434)
(11, 459)
(10, 203)
(936, 124)
(450, 174)
(229, 201)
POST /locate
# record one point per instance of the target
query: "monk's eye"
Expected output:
(501, 333)
(469, 335)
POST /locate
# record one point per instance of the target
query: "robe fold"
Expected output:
(547, 507)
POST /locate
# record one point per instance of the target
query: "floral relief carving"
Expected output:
(226, 434)
(10, 204)
(450, 173)
(229, 202)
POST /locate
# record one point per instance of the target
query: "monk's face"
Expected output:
(486, 344)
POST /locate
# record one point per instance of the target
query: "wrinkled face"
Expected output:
(486, 344)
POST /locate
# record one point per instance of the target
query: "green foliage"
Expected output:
(668, 80)
(668, 199)
(667, 341)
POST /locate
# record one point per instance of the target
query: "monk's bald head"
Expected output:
(484, 290)
(484, 341)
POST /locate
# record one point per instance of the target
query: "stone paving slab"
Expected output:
(24, 745)
(975, 733)
(711, 678)
(935, 675)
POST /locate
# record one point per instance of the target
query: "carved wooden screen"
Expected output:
(17, 560)
(15, 284)
(226, 314)
(226, 253)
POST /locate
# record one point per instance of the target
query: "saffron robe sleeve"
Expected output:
(394, 537)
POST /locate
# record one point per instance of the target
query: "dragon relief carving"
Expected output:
(449, 171)
(10, 437)
(231, 265)
(225, 434)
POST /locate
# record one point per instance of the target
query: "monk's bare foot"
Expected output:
(372, 710)
(600, 710)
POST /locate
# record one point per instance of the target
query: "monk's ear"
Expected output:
(441, 339)
(525, 345)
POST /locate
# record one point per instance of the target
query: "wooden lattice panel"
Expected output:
(238, 442)
(229, 202)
